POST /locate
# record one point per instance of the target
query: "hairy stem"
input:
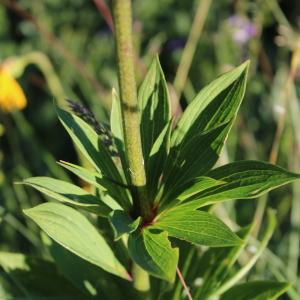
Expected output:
(131, 118)
(129, 103)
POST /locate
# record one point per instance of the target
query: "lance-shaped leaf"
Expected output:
(154, 164)
(97, 180)
(116, 122)
(242, 179)
(122, 223)
(153, 100)
(216, 103)
(193, 159)
(68, 193)
(73, 231)
(197, 227)
(79, 271)
(188, 189)
(117, 132)
(198, 185)
(258, 290)
(199, 137)
(89, 176)
(151, 249)
(87, 141)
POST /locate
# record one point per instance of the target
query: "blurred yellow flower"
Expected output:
(11, 94)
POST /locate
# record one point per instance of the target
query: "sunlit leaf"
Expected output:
(203, 128)
(85, 276)
(97, 180)
(68, 193)
(216, 103)
(117, 132)
(154, 104)
(73, 231)
(198, 227)
(242, 179)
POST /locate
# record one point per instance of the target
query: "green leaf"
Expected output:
(96, 179)
(197, 227)
(154, 164)
(88, 278)
(152, 250)
(73, 231)
(203, 128)
(122, 223)
(216, 103)
(88, 142)
(153, 100)
(89, 176)
(117, 132)
(193, 159)
(242, 179)
(197, 185)
(259, 290)
(116, 122)
(68, 193)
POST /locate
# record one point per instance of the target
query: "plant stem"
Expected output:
(131, 118)
(185, 287)
(103, 8)
(141, 279)
(129, 103)
(190, 47)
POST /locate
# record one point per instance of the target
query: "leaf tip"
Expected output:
(27, 211)
(129, 277)
(18, 182)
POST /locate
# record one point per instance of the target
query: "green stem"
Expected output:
(129, 103)
(191, 45)
(141, 279)
(44, 64)
(131, 118)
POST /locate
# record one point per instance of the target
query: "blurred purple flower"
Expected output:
(242, 29)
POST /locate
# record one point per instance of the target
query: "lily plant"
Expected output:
(155, 184)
